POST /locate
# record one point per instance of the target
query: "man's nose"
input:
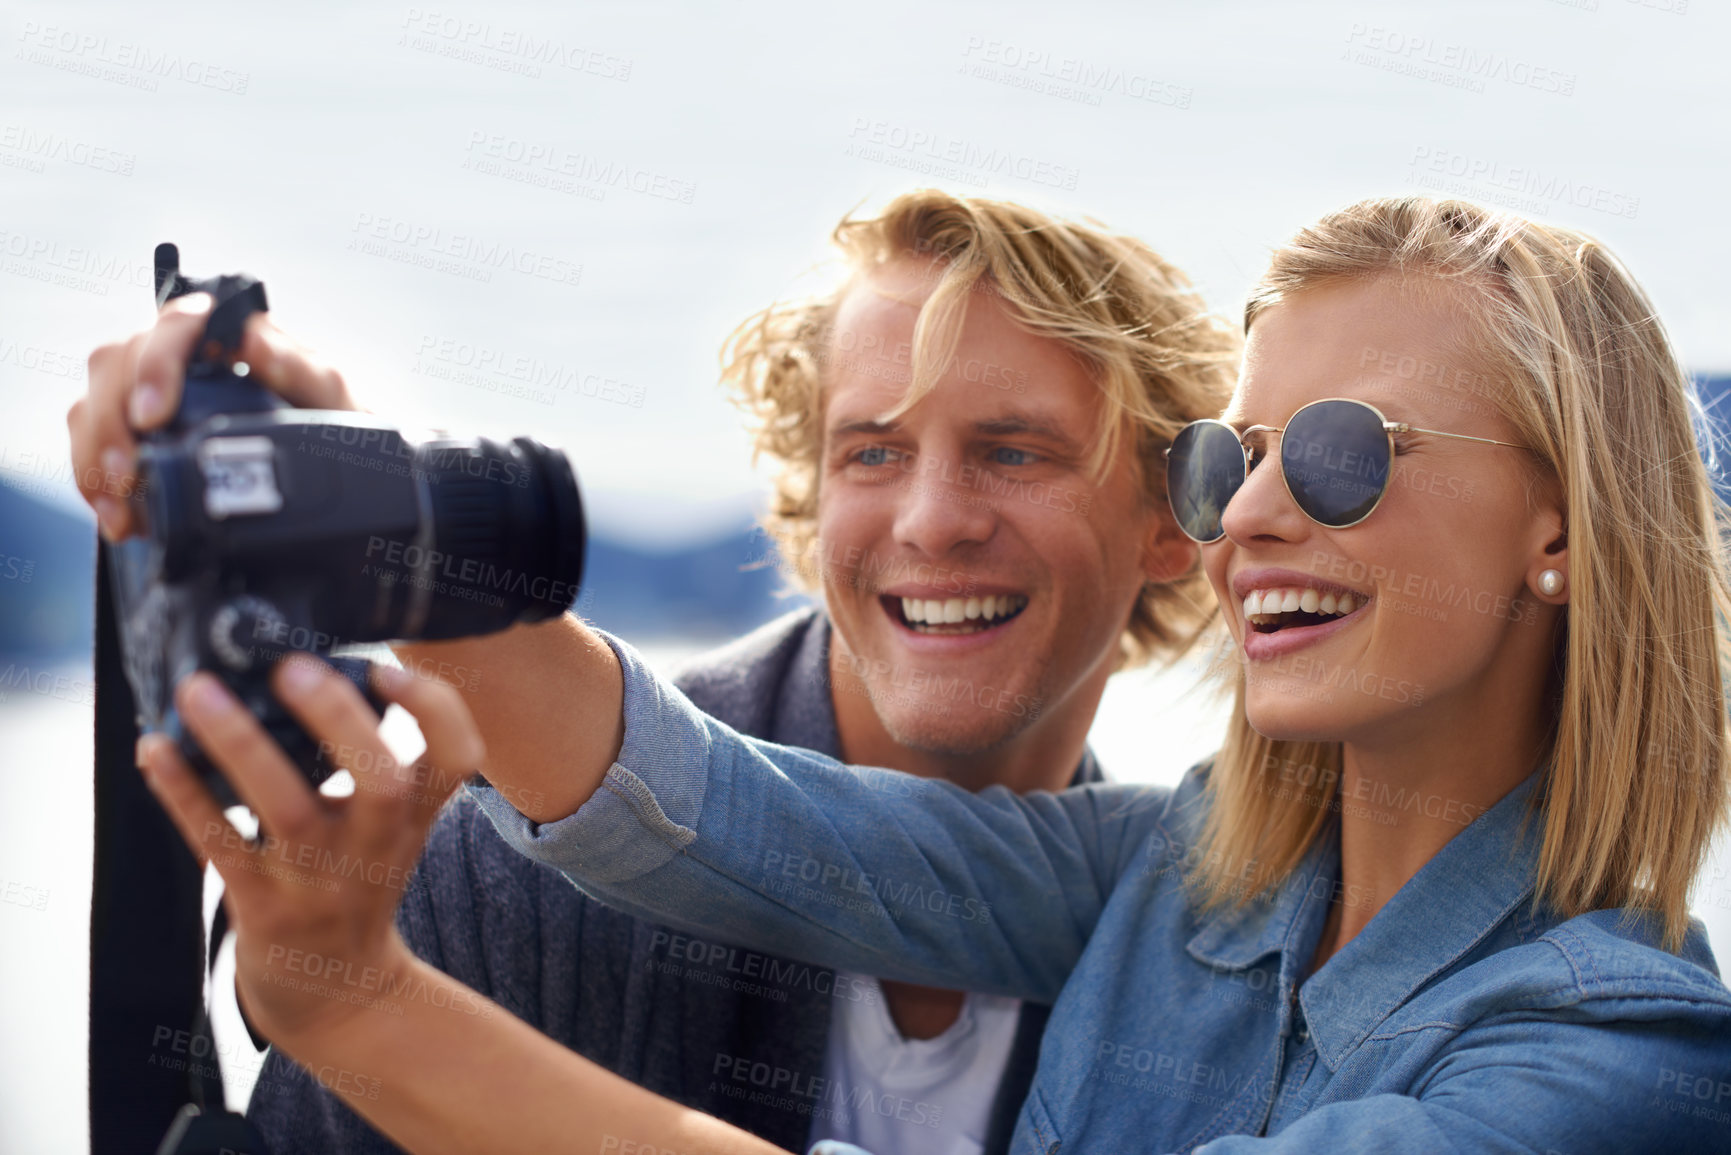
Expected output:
(938, 511)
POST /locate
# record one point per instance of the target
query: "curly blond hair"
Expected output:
(1160, 359)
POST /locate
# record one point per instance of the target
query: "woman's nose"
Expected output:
(1263, 508)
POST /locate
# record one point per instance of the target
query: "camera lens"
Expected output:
(505, 524)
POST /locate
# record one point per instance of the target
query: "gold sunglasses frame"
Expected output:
(1389, 428)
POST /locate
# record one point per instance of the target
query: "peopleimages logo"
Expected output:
(505, 48)
(867, 569)
(461, 254)
(488, 151)
(816, 1095)
(323, 970)
(487, 367)
(1518, 186)
(122, 62)
(783, 868)
(1452, 64)
(884, 141)
(71, 266)
(46, 683)
(1065, 77)
(697, 958)
(40, 147)
(1175, 1076)
(468, 571)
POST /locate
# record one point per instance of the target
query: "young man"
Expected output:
(969, 431)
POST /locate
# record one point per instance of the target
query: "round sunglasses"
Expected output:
(1336, 458)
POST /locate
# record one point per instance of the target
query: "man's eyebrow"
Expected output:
(866, 426)
(998, 427)
(1011, 426)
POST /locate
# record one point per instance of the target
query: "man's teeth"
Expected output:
(1261, 606)
(953, 610)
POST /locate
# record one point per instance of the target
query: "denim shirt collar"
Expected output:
(1445, 910)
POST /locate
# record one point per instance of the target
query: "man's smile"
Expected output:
(974, 614)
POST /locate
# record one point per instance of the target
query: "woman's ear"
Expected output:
(1548, 570)
(1168, 553)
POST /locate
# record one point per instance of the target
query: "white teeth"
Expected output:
(955, 611)
(1262, 606)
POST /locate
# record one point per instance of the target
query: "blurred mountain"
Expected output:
(706, 591)
(47, 577)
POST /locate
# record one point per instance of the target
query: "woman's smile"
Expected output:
(1283, 610)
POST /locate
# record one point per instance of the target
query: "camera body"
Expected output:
(270, 530)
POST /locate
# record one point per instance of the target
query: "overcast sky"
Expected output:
(661, 170)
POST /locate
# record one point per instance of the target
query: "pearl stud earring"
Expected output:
(1551, 583)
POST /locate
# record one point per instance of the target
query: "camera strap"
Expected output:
(151, 1049)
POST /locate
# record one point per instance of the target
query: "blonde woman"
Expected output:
(1431, 894)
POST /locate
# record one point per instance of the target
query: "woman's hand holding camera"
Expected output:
(320, 968)
(313, 897)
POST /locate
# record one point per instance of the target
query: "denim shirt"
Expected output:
(1463, 1016)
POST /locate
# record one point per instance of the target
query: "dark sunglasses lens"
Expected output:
(1203, 470)
(1335, 456)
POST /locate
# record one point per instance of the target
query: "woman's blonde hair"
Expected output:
(1635, 787)
(1159, 358)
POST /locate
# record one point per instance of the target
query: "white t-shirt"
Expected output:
(896, 1096)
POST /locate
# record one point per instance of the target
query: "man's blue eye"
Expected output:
(1004, 455)
(874, 455)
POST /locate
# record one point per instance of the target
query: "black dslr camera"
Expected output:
(269, 530)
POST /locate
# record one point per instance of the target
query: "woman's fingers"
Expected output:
(208, 834)
(254, 764)
(330, 708)
(393, 804)
(454, 747)
(390, 797)
(104, 450)
(162, 360)
(289, 369)
(453, 739)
